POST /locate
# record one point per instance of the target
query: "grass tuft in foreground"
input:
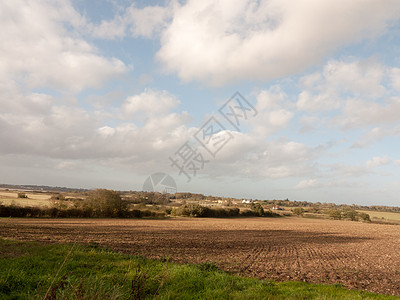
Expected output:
(36, 271)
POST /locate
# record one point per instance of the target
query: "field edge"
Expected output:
(69, 271)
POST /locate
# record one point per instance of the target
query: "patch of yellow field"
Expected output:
(26, 202)
(382, 214)
(31, 195)
(34, 199)
(8, 194)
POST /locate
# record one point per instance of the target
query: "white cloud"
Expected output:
(271, 98)
(395, 77)
(349, 95)
(289, 158)
(241, 147)
(66, 165)
(336, 183)
(320, 102)
(39, 51)
(357, 113)
(36, 124)
(106, 131)
(377, 134)
(327, 90)
(253, 158)
(109, 29)
(273, 112)
(340, 170)
(311, 122)
(249, 154)
(146, 22)
(220, 41)
(280, 118)
(150, 102)
(378, 161)
(359, 77)
(307, 183)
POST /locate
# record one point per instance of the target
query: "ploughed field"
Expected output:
(356, 255)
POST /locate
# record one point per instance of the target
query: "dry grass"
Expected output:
(388, 216)
(34, 199)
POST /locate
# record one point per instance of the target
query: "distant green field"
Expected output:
(35, 271)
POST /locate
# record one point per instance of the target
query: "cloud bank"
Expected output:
(218, 42)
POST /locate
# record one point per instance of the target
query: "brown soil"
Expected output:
(356, 255)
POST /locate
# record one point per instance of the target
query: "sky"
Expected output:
(272, 99)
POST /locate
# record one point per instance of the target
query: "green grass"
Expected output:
(30, 270)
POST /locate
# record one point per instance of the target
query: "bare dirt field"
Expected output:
(356, 255)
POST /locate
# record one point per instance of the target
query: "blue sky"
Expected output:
(105, 93)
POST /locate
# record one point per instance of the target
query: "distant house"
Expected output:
(277, 208)
(247, 201)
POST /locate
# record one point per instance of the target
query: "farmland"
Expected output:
(383, 216)
(33, 199)
(357, 255)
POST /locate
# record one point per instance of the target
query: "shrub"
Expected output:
(82, 212)
(257, 209)
(335, 214)
(196, 210)
(299, 211)
(350, 214)
(233, 212)
(192, 210)
(135, 213)
(365, 217)
(270, 214)
(105, 203)
(57, 197)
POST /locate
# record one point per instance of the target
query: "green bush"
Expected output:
(81, 212)
(196, 210)
(257, 209)
(335, 214)
(105, 203)
(365, 217)
(299, 211)
(351, 214)
(270, 214)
